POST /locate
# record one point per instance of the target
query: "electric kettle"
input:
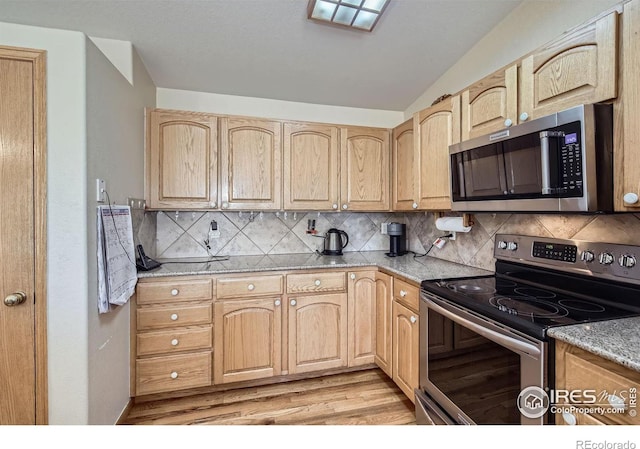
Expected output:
(333, 242)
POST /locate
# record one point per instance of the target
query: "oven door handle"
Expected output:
(504, 340)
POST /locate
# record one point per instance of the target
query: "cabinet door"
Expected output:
(405, 168)
(182, 158)
(251, 164)
(247, 339)
(365, 169)
(405, 348)
(317, 332)
(384, 318)
(437, 127)
(362, 317)
(490, 104)
(311, 155)
(579, 67)
(626, 176)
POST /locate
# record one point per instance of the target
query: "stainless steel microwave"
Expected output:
(558, 163)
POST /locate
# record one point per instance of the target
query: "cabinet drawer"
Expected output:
(249, 286)
(586, 371)
(187, 290)
(407, 294)
(174, 340)
(316, 282)
(174, 372)
(159, 317)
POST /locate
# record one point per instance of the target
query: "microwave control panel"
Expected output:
(570, 159)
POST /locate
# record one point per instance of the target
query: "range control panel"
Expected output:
(604, 260)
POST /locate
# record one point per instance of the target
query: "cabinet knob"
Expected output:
(277, 302)
(251, 287)
(213, 204)
(524, 117)
(344, 207)
(352, 276)
(630, 198)
(175, 292)
(174, 375)
(225, 205)
(293, 302)
(174, 342)
(413, 319)
(616, 402)
(403, 293)
(508, 122)
(414, 205)
(317, 282)
(174, 316)
(335, 205)
(569, 419)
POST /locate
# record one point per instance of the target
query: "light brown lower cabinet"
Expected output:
(406, 337)
(613, 385)
(317, 332)
(362, 317)
(384, 323)
(247, 342)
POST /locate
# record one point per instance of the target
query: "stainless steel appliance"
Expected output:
(334, 243)
(397, 239)
(558, 163)
(484, 339)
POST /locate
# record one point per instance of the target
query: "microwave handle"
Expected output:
(544, 159)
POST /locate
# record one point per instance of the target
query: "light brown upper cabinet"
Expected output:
(436, 128)
(578, 67)
(365, 169)
(490, 104)
(311, 177)
(181, 160)
(251, 158)
(626, 176)
(405, 167)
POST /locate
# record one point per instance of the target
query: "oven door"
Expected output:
(472, 369)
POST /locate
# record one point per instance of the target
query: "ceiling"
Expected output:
(268, 49)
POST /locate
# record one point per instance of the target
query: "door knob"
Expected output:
(15, 299)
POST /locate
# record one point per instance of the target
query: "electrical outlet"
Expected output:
(101, 188)
(214, 232)
(383, 228)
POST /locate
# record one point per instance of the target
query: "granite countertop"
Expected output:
(415, 269)
(615, 340)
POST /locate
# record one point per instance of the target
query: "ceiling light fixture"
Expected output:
(358, 14)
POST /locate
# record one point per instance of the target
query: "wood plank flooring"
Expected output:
(362, 397)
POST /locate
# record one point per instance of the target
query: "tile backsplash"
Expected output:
(170, 235)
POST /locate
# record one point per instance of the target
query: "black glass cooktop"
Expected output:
(532, 300)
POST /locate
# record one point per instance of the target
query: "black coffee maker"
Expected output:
(397, 239)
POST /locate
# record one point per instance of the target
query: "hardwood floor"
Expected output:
(362, 397)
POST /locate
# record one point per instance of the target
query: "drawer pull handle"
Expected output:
(293, 302)
(403, 293)
(174, 316)
(413, 319)
(353, 276)
(174, 342)
(569, 419)
(616, 402)
(175, 292)
(174, 375)
(251, 287)
(277, 302)
(317, 282)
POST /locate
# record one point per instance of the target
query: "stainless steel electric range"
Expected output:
(484, 339)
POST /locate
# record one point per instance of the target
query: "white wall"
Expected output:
(526, 28)
(277, 109)
(115, 153)
(66, 221)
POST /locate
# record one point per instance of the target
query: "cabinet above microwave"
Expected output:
(558, 163)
